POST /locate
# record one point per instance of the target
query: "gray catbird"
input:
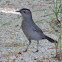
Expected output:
(31, 30)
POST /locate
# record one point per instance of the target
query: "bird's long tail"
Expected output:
(50, 39)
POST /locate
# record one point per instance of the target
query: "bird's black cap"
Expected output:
(22, 10)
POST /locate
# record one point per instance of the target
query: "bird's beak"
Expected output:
(18, 11)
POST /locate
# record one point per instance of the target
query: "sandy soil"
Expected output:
(12, 39)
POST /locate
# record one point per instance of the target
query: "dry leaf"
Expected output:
(14, 50)
(21, 44)
(29, 51)
(40, 60)
(6, 29)
(7, 53)
(10, 32)
(14, 60)
(17, 52)
(28, 60)
(10, 4)
(13, 42)
(50, 30)
(11, 37)
(17, 55)
(0, 30)
(9, 60)
(21, 52)
(16, 25)
(15, 29)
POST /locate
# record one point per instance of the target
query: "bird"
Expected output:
(31, 30)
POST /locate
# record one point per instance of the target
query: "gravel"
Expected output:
(12, 39)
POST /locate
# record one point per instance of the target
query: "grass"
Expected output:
(56, 24)
(58, 9)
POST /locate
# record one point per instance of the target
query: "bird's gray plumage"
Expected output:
(30, 29)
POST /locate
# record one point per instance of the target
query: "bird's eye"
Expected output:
(24, 11)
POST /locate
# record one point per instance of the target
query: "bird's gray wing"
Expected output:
(37, 29)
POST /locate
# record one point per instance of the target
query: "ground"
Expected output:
(12, 39)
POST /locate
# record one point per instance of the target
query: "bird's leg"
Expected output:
(37, 46)
(26, 48)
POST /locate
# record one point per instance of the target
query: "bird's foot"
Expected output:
(23, 52)
(36, 51)
(19, 53)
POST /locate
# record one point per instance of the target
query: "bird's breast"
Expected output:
(29, 32)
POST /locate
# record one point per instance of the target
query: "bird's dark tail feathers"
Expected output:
(50, 39)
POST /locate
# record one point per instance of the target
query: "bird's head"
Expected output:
(26, 13)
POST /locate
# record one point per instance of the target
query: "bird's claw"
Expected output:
(19, 53)
(36, 51)
(23, 51)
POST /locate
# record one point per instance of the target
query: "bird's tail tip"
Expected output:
(51, 40)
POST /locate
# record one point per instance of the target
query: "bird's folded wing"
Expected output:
(37, 29)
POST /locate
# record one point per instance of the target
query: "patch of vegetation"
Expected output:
(56, 25)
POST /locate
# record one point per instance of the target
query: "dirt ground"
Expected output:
(12, 39)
